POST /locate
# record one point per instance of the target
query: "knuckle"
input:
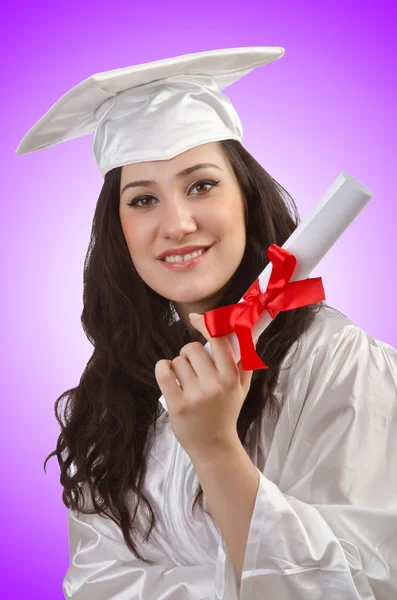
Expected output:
(162, 375)
(231, 379)
(189, 347)
(177, 360)
(214, 389)
(195, 401)
(160, 371)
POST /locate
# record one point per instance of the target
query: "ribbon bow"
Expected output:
(281, 294)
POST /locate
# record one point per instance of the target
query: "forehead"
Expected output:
(210, 152)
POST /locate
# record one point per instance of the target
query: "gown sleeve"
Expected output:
(103, 568)
(328, 529)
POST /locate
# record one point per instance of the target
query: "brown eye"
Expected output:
(203, 183)
(135, 202)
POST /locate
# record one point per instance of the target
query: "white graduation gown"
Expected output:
(324, 525)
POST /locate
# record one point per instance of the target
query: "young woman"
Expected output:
(296, 462)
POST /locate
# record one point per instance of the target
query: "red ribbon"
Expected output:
(281, 294)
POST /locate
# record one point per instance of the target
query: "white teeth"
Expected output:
(184, 258)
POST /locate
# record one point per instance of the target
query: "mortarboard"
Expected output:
(152, 111)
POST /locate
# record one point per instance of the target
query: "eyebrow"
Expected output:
(146, 182)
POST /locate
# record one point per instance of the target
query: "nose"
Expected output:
(177, 219)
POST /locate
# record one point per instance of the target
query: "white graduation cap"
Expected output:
(152, 111)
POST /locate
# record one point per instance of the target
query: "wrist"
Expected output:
(219, 451)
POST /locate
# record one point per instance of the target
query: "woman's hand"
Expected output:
(204, 409)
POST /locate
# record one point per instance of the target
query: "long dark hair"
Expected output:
(106, 419)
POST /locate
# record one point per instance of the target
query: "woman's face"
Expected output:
(177, 210)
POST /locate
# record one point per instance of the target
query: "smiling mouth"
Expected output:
(173, 262)
(181, 265)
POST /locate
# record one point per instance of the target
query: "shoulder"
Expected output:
(333, 342)
(338, 375)
(331, 330)
(339, 332)
(329, 326)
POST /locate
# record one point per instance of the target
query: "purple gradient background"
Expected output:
(327, 106)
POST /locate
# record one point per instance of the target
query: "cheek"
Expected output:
(134, 236)
(127, 232)
(232, 207)
(230, 219)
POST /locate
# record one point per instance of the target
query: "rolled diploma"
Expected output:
(310, 241)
